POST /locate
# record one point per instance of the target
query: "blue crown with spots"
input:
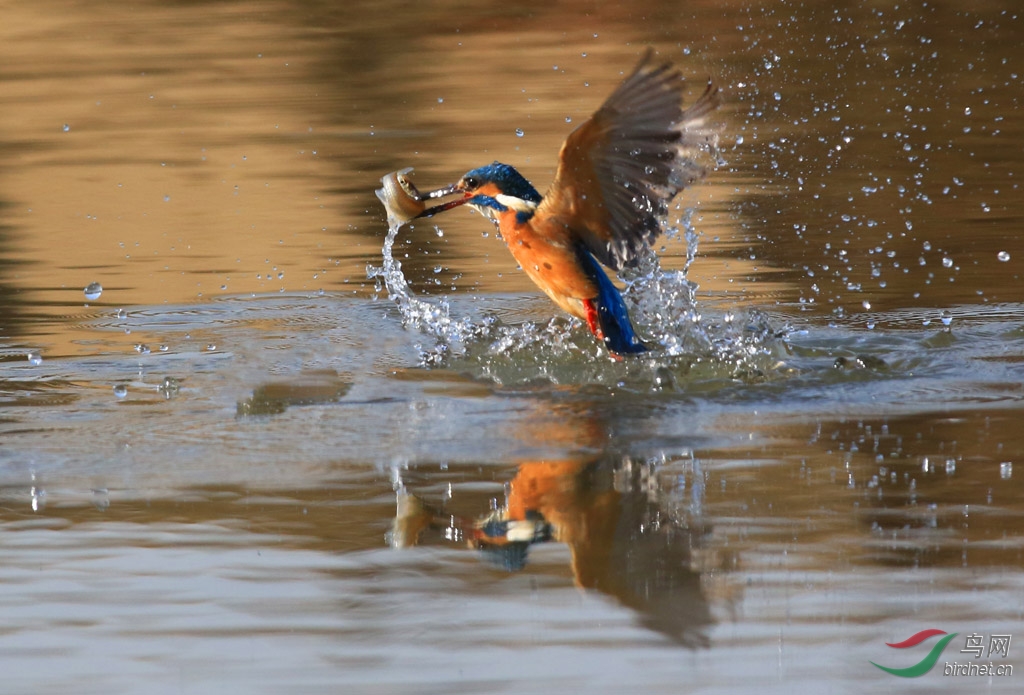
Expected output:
(508, 180)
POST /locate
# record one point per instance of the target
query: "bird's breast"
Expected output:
(550, 259)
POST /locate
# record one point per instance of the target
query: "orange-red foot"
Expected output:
(595, 327)
(592, 322)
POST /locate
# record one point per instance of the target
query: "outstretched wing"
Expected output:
(620, 169)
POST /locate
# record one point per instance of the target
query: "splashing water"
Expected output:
(433, 318)
(665, 301)
(663, 306)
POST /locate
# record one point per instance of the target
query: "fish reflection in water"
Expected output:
(623, 541)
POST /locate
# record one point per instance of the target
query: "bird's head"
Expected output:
(498, 188)
(492, 190)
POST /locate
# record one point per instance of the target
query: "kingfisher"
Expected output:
(617, 173)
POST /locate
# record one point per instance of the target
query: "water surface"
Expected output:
(243, 466)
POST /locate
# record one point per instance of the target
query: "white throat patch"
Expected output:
(517, 204)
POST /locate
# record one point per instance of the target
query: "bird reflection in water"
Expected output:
(624, 542)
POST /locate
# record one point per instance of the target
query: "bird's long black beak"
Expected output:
(450, 189)
(443, 191)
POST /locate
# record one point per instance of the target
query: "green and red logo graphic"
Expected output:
(924, 665)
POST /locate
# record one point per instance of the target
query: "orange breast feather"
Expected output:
(548, 255)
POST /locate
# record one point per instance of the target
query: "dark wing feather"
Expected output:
(620, 169)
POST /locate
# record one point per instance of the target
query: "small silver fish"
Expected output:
(400, 197)
(405, 203)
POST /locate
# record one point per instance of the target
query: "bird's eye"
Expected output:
(471, 182)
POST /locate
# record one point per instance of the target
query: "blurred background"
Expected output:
(175, 152)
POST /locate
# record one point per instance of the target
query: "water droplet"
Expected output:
(1003, 256)
(519, 132)
(947, 318)
(169, 387)
(440, 100)
(101, 499)
(93, 291)
(211, 347)
(142, 349)
(38, 497)
(167, 198)
(927, 246)
(866, 304)
(35, 359)
(1006, 470)
(568, 119)
(947, 262)
(120, 391)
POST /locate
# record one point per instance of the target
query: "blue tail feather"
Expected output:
(612, 315)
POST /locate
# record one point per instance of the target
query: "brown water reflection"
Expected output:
(772, 546)
(232, 148)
